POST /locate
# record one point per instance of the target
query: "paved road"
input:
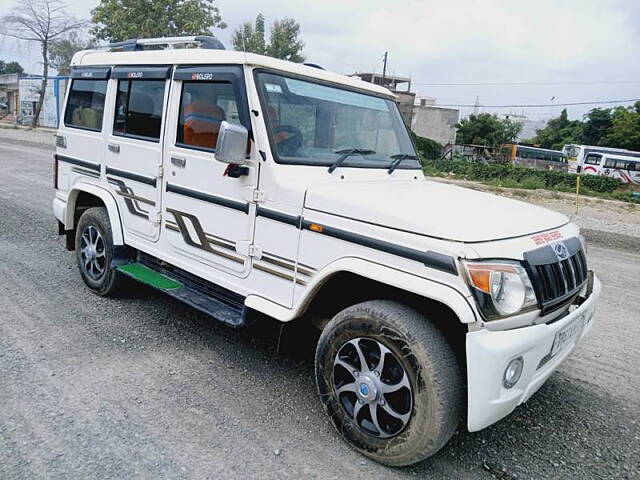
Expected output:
(143, 386)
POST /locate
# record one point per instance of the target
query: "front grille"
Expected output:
(555, 281)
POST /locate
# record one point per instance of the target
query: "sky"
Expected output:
(537, 42)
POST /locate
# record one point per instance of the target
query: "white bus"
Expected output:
(623, 167)
(576, 154)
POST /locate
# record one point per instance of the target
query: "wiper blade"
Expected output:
(346, 153)
(398, 158)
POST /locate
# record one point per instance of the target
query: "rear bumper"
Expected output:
(489, 352)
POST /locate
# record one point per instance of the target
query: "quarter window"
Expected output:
(85, 106)
(203, 107)
(139, 105)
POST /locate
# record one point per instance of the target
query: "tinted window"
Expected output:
(610, 163)
(139, 108)
(592, 159)
(203, 106)
(85, 106)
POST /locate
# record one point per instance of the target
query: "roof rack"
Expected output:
(136, 44)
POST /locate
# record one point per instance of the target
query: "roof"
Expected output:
(199, 56)
(619, 156)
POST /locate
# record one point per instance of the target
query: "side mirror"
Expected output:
(231, 146)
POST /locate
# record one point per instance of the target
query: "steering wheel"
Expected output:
(290, 145)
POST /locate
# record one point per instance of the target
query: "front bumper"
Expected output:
(489, 352)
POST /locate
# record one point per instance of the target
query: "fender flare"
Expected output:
(425, 287)
(109, 201)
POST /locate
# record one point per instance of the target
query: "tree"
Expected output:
(427, 148)
(625, 128)
(118, 20)
(596, 125)
(10, 67)
(248, 38)
(62, 50)
(558, 132)
(487, 129)
(41, 21)
(284, 41)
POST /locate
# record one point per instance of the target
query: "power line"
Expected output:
(536, 105)
(601, 82)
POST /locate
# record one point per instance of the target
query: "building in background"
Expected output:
(28, 92)
(529, 127)
(420, 114)
(400, 86)
(9, 92)
(436, 123)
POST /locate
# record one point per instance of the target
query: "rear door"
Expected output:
(133, 150)
(208, 214)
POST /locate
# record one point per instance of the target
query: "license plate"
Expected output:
(565, 336)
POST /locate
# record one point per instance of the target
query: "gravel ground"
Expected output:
(143, 386)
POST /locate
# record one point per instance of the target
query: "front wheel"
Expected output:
(389, 381)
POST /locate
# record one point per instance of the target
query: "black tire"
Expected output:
(109, 281)
(429, 363)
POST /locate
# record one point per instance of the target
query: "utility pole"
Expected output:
(384, 66)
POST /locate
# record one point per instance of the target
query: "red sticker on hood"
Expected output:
(548, 237)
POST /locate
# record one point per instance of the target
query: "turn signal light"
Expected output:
(316, 228)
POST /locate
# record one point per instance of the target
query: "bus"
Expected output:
(623, 167)
(536, 157)
(576, 154)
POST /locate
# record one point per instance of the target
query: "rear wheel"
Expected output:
(94, 252)
(389, 381)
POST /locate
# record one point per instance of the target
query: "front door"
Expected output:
(133, 154)
(208, 214)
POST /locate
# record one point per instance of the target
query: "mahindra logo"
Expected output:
(561, 251)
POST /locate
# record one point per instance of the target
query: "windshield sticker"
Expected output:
(336, 95)
(544, 238)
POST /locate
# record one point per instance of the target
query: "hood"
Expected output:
(433, 209)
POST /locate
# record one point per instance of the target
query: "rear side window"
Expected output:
(139, 105)
(85, 106)
(203, 107)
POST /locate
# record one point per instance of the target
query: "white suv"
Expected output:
(239, 183)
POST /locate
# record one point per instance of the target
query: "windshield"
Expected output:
(314, 124)
(571, 150)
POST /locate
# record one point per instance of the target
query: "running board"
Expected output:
(218, 302)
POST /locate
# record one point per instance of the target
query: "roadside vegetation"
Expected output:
(509, 176)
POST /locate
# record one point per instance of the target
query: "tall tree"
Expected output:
(625, 128)
(559, 132)
(10, 67)
(117, 20)
(284, 41)
(62, 50)
(248, 38)
(40, 21)
(487, 129)
(596, 125)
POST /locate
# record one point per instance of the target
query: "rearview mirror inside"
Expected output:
(231, 146)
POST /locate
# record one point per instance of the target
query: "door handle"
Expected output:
(113, 147)
(178, 161)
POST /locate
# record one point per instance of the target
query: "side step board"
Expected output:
(222, 304)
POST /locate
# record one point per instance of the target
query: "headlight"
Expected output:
(501, 288)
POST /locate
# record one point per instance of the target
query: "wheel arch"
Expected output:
(84, 196)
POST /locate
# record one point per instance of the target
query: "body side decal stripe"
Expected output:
(132, 176)
(296, 221)
(205, 197)
(81, 163)
(434, 260)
